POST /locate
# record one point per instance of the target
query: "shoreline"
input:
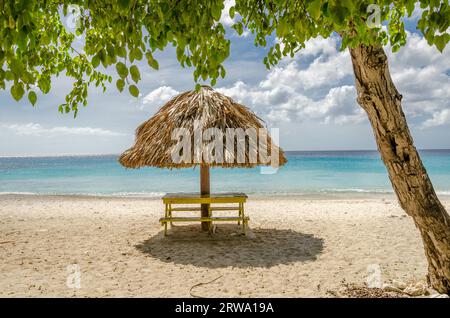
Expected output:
(260, 196)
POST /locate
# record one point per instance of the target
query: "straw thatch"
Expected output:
(155, 144)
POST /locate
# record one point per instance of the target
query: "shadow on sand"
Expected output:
(227, 247)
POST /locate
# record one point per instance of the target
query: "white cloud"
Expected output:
(325, 70)
(284, 104)
(225, 18)
(328, 67)
(439, 118)
(293, 92)
(32, 129)
(315, 85)
(421, 74)
(159, 96)
(340, 106)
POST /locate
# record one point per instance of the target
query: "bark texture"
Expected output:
(378, 96)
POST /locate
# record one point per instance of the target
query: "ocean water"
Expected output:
(306, 173)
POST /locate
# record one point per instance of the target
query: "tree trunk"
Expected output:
(204, 190)
(378, 96)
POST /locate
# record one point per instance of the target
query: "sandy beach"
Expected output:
(298, 247)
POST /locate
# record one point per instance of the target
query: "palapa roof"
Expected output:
(194, 111)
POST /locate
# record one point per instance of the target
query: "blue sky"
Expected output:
(310, 98)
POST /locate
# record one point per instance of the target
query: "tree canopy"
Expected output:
(36, 46)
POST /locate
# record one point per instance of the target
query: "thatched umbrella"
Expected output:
(197, 111)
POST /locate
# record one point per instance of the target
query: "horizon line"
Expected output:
(118, 154)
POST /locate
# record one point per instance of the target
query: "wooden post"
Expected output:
(204, 189)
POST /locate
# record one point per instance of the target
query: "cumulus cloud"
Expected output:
(340, 106)
(284, 104)
(327, 67)
(318, 85)
(32, 129)
(309, 87)
(225, 18)
(422, 75)
(439, 118)
(159, 96)
(323, 71)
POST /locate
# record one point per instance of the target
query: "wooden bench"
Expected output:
(187, 199)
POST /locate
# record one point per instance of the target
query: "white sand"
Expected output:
(299, 248)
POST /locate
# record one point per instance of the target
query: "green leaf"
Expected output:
(410, 4)
(338, 14)
(134, 91)
(111, 51)
(314, 9)
(124, 4)
(9, 75)
(222, 72)
(122, 70)
(122, 52)
(120, 84)
(232, 12)
(44, 84)
(16, 67)
(32, 97)
(17, 91)
(325, 9)
(239, 28)
(441, 41)
(348, 4)
(135, 75)
(282, 28)
(136, 54)
(95, 61)
(216, 12)
(12, 23)
(151, 61)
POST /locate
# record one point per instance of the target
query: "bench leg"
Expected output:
(210, 224)
(170, 214)
(240, 213)
(165, 228)
(244, 223)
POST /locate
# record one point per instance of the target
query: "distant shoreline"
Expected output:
(288, 152)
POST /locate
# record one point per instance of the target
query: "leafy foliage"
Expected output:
(36, 47)
(296, 22)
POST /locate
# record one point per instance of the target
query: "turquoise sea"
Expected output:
(306, 173)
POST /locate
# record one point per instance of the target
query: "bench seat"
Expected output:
(213, 208)
(203, 219)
